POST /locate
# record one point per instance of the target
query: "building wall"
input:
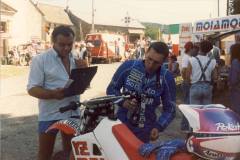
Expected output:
(26, 24)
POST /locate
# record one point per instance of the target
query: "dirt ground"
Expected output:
(18, 126)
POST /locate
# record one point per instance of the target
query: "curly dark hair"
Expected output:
(63, 30)
(205, 46)
(235, 51)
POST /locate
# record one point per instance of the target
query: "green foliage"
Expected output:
(152, 32)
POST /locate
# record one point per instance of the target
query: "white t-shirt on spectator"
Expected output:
(185, 60)
(196, 69)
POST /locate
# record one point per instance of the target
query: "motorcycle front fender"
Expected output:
(70, 126)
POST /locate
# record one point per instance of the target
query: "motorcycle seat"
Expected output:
(130, 144)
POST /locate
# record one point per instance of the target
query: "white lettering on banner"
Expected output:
(228, 127)
(212, 154)
(218, 24)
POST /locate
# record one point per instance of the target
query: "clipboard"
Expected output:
(80, 79)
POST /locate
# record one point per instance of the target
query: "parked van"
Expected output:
(106, 46)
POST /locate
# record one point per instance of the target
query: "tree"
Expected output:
(151, 32)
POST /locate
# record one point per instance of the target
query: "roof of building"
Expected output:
(107, 20)
(54, 14)
(5, 8)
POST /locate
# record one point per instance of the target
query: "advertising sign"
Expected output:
(217, 24)
(185, 34)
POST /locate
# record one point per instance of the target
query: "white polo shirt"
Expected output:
(47, 71)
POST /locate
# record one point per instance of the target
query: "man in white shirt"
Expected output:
(186, 80)
(215, 54)
(49, 72)
(202, 71)
(185, 62)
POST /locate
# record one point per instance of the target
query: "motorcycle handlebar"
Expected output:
(137, 95)
(95, 101)
(100, 100)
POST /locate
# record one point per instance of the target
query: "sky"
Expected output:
(157, 11)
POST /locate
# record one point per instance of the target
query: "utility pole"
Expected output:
(92, 16)
(67, 3)
(218, 7)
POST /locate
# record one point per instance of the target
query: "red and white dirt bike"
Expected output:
(99, 135)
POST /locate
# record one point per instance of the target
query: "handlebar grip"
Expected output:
(71, 106)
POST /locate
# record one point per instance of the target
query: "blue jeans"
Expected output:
(185, 90)
(201, 93)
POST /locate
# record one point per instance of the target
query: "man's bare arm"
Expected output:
(42, 93)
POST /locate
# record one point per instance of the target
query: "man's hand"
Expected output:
(154, 134)
(58, 93)
(81, 63)
(42, 93)
(130, 104)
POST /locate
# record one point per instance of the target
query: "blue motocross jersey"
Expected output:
(130, 77)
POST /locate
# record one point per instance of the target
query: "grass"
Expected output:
(8, 71)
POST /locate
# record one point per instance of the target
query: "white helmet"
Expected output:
(215, 131)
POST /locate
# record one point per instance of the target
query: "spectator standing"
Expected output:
(173, 66)
(186, 80)
(89, 47)
(49, 73)
(202, 71)
(142, 47)
(84, 53)
(215, 54)
(117, 47)
(234, 77)
(76, 50)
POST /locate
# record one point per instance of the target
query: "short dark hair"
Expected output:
(205, 46)
(234, 50)
(63, 30)
(159, 47)
(188, 46)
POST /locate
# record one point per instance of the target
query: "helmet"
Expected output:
(215, 131)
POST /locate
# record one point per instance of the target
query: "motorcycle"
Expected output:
(99, 135)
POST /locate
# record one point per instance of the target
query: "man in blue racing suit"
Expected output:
(153, 86)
